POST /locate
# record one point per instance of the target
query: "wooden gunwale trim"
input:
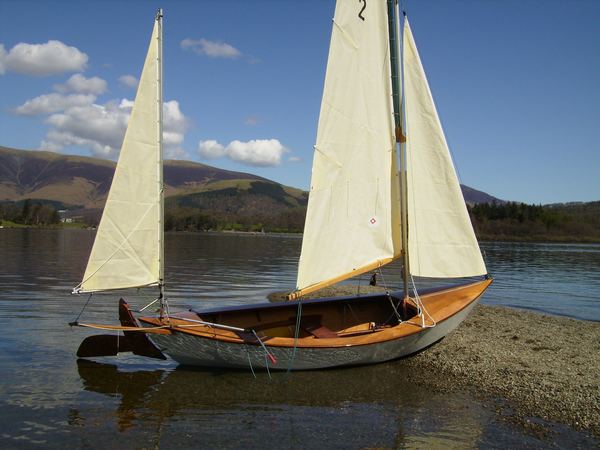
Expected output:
(315, 287)
(473, 292)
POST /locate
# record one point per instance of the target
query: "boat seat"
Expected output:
(320, 331)
(310, 323)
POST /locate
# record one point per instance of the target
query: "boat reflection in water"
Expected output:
(382, 405)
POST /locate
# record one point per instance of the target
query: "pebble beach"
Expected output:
(544, 366)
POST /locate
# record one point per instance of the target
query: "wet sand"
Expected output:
(544, 366)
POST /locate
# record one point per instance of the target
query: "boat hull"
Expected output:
(404, 339)
(193, 350)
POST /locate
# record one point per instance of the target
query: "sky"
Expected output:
(516, 84)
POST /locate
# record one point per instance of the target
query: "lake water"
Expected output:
(48, 398)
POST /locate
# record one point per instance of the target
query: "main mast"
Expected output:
(161, 228)
(396, 69)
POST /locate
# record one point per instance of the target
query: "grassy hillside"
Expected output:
(70, 180)
(77, 182)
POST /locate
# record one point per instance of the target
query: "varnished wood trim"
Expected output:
(315, 287)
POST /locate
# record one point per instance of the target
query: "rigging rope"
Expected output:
(387, 293)
(76, 321)
(296, 335)
(422, 311)
(250, 362)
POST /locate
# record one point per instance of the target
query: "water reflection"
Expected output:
(351, 408)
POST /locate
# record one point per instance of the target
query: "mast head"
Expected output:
(159, 14)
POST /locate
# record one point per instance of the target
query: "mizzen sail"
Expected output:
(352, 223)
(127, 251)
(441, 240)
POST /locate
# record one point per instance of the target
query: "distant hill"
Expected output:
(473, 196)
(78, 182)
(82, 183)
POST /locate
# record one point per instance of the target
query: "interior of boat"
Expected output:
(320, 318)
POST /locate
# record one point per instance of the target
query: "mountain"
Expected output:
(78, 182)
(473, 196)
(82, 183)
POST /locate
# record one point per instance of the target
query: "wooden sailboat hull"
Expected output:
(357, 342)
(192, 350)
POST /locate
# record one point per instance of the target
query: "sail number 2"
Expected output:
(364, 3)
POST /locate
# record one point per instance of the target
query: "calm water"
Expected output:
(50, 399)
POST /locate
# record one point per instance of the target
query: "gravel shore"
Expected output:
(544, 366)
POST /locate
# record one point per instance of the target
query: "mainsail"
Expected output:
(352, 223)
(441, 241)
(127, 251)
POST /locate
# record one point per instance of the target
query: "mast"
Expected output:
(161, 229)
(396, 74)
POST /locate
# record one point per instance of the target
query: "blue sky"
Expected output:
(516, 84)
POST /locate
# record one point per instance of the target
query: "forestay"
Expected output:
(441, 240)
(352, 223)
(128, 245)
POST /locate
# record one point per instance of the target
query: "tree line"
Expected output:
(29, 212)
(491, 221)
(520, 221)
(193, 219)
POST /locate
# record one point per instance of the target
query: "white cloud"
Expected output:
(50, 58)
(51, 103)
(294, 159)
(212, 49)
(210, 149)
(129, 81)
(82, 85)
(256, 152)
(101, 128)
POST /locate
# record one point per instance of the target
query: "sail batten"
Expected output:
(127, 251)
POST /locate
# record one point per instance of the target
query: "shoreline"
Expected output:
(500, 239)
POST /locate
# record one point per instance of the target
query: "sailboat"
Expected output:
(383, 188)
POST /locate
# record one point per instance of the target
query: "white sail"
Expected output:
(352, 223)
(127, 251)
(441, 240)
